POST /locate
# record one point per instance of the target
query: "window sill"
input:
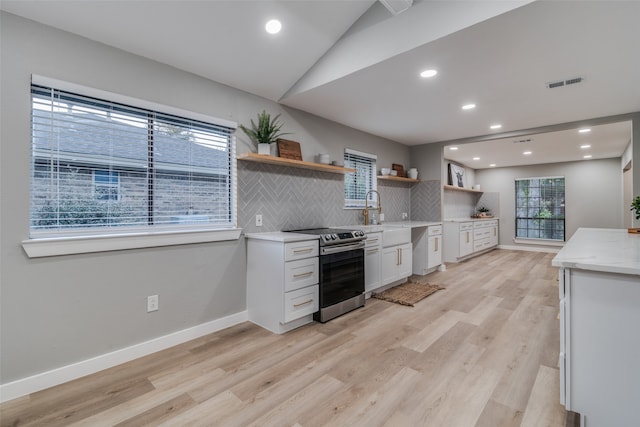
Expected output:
(54, 246)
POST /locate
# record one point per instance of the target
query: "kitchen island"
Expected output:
(599, 282)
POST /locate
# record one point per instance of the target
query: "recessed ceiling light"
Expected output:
(476, 158)
(585, 146)
(453, 148)
(588, 156)
(584, 130)
(492, 165)
(496, 126)
(526, 153)
(428, 73)
(468, 106)
(273, 26)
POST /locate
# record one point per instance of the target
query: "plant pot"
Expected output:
(264, 149)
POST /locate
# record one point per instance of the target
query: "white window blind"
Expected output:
(100, 166)
(357, 184)
(540, 208)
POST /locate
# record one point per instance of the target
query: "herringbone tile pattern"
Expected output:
(425, 201)
(290, 198)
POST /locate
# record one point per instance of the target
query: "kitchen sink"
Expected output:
(392, 236)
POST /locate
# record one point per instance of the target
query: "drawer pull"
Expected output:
(373, 251)
(303, 303)
(302, 251)
(297, 276)
(436, 248)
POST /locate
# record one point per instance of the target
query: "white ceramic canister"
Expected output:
(324, 159)
(412, 173)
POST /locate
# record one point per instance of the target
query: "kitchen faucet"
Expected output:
(366, 209)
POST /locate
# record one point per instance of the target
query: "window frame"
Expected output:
(559, 214)
(98, 240)
(367, 162)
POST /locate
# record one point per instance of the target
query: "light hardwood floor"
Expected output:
(482, 352)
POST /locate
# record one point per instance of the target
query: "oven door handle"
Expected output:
(328, 250)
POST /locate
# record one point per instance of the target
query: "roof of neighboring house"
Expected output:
(123, 141)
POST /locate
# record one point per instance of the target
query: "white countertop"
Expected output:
(469, 219)
(282, 236)
(601, 249)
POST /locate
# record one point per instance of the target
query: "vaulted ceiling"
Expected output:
(354, 62)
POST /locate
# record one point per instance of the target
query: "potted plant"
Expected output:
(635, 206)
(265, 132)
(483, 212)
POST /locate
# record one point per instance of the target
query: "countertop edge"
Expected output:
(281, 236)
(601, 250)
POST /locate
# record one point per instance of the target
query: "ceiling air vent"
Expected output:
(522, 141)
(560, 83)
(397, 6)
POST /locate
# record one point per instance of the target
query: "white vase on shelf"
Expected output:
(264, 149)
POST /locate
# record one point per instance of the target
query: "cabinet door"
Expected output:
(372, 268)
(389, 265)
(405, 260)
(466, 243)
(493, 235)
(434, 255)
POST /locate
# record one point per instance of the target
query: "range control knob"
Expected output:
(334, 236)
(327, 237)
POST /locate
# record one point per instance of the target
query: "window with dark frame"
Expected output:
(105, 166)
(540, 208)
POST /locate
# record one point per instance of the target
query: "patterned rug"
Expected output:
(408, 293)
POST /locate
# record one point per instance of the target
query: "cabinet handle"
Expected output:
(495, 232)
(436, 249)
(372, 251)
(467, 237)
(302, 251)
(297, 276)
(303, 303)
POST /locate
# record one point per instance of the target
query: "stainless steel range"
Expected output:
(341, 271)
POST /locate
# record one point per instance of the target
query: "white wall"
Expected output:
(593, 193)
(60, 310)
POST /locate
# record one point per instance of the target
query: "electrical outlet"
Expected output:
(152, 303)
(259, 220)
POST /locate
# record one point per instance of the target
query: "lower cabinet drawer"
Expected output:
(300, 303)
(300, 273)
(434, 230)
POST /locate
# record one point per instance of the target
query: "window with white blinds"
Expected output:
(357, 184)
(102, 167)
(540, 208)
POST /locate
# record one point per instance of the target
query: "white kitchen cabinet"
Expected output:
(427, 249)
(396, 263)
(434, 254)
(282, 280)
(372, 257)
(599, 289)
(485, 234)
(463, 239)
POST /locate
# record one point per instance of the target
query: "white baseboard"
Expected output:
(530, 248)
(67, 373)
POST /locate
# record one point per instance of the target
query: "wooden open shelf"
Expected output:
(466, 190)
(273, 160)
(397, 179)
